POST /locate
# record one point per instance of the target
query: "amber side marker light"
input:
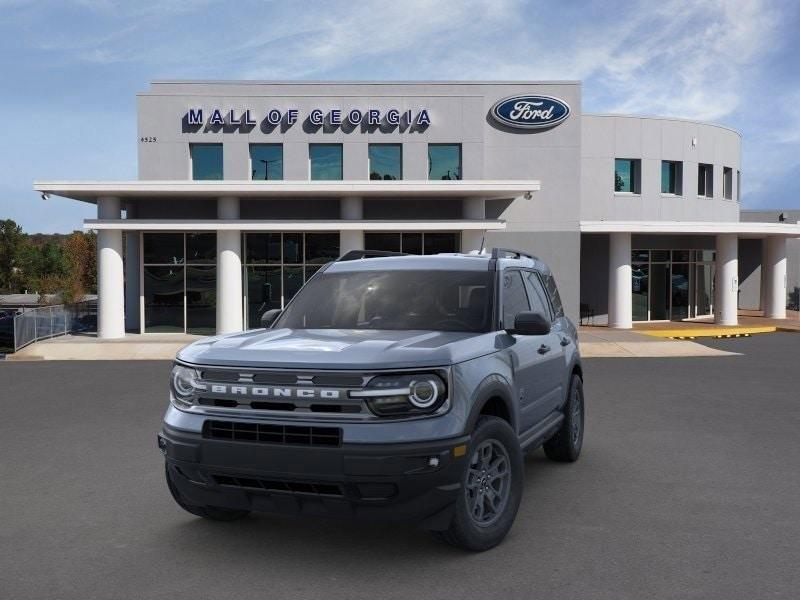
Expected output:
(460, 451)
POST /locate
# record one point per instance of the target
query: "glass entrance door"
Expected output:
(704, 289)
(659, 291)
(672, 284)
(641, 291)
(681, 292)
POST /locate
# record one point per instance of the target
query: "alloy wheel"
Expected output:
(488, 482)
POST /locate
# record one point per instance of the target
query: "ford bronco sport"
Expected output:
(391, 386)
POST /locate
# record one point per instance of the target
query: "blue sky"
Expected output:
(70, 70)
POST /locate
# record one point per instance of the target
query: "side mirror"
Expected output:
(530, 323)
(269, 317)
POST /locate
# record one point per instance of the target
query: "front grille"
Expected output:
(338, 380)
(291, 487)
(351, 408)
(282, 378)
(272, 434)
(285, 391)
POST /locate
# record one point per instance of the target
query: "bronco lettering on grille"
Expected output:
(274, 392)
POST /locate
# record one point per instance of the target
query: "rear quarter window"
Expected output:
(555, 297)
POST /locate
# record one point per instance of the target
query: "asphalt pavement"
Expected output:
(688, 487)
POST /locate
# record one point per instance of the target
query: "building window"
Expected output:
(444, 161)
(278, 264)
(180, 282)
(266, 162)
(738, 186)
(727, 183)
(206, 161)
(413, 242)
(385, 162)
(325, 162)
(627, 175)
(201, 299)
(671, 177)
(705, 180)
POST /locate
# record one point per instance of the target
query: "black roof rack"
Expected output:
(510, 253)
(359, 254)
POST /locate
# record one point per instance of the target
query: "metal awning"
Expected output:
(90, 191)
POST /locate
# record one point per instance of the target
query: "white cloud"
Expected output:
(690, 60)
(357, 31)
(705, 60)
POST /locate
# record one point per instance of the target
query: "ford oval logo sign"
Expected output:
(530, 112)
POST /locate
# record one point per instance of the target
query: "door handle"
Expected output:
(543, 349)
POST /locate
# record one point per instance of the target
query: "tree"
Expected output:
(68, 275)
(65, 266)
(80, 254)
(12, 242)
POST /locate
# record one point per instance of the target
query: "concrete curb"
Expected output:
(682, 333)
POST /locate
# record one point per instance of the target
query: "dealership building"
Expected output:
(246, 189)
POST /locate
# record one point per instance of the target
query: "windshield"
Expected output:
(431, 300)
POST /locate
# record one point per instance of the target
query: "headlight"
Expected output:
(185, 382)
(404, 394)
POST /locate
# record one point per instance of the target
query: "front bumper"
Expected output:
(410, 482)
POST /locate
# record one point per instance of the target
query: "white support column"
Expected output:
(110, 276)
(620, 299)
(472, 239)
(762, 301)
(726, 284)
(229, 271)
(351, 209)
(773, 275)
(132, 282)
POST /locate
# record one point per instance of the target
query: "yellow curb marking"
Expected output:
(716, 332)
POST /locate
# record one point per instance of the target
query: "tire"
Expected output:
(482, 518)
(214, 513)
(566, 444)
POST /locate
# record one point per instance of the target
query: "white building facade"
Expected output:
(246, 189)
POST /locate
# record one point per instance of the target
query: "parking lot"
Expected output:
(688, 488)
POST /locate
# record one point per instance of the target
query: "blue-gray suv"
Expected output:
(391, 387)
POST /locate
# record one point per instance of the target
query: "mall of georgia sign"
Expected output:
(530, 112)
(335, 117)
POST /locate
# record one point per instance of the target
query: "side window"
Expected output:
(515, 300)
(555, 297)
(537, 295)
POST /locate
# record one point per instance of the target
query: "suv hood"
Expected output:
(339, 349)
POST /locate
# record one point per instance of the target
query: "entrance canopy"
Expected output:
(90, 191)
(682, 281)
(291, 225)
(743, 230)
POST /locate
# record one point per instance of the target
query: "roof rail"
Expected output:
(359, 254)
(511, 253)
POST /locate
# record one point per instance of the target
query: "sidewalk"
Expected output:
(152, 346)
(602, 342)
(595, 342)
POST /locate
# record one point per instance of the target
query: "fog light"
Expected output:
(162, 445)
(433, 461)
